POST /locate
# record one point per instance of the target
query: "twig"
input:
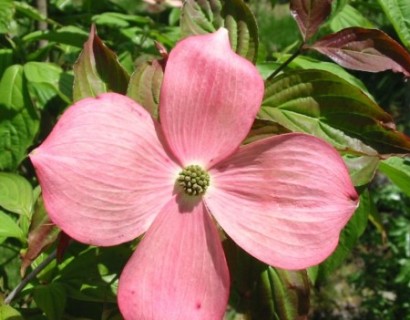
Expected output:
(42, 25)
(289, 60)
(30, 277)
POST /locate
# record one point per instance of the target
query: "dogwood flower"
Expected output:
(109, 173)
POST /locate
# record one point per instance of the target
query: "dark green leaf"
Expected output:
(205, 16)
(398, 12)
(93, 274)
(51, 299)
(398, 170)
(97, 70)
(19, 121)
(16, 194)
(145, 85)
(6, 59)
(349, 236)
(9, 228)
(325, 105)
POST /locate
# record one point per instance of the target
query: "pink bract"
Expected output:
(108, 173)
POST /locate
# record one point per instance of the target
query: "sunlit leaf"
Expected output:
(19, 121)
(70, 35)
(309, 63)
(6, 15)
(46, 81)
(362, 49)
(16, 194)
(205, 16)
(119, 20)
(349, 17)
(97, 70)
(398, 170)
(145, 85)
(9, 313)
(362, 169)
(51, 298)
(310, 14)
(323, 104)
(398, 12)
(31, 12)
(267, 68)
(9, 228)
(349, 236)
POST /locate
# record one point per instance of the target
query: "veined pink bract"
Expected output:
(109, 173)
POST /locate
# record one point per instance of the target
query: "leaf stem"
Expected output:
(30, 277)
(289, 60)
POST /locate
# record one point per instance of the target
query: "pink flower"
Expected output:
(109, 173)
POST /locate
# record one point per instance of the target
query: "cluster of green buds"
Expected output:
(194, 180)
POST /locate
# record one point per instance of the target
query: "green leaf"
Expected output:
(6, 15)
(45, 81)
(349, 236)
(9, 313)
(205, 16)
(349, 17)
(69, 35)
(119, 20)
(6, 59)
(51, 299)
(362, 169)
(398, 170)
(267, 68)
(16, 194)
(9, 228)
(306, 63)
(145, 85)
(19, 121)
(92, 275)
(97, 70)
(398, 12)
(289, 292)
(31, 12)
(325, 105)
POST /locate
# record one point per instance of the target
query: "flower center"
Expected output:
(194, 180)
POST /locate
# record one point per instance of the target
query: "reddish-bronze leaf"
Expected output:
(63, 242)
(145, 84)
(97, 70)
(364, 49)
(310, 14)
(41, 235)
